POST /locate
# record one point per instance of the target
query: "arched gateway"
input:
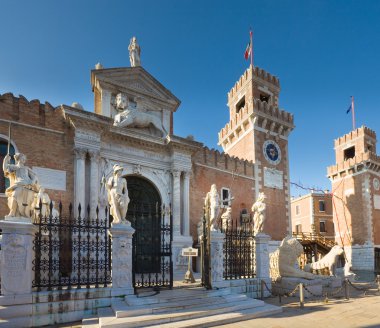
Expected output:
(152, 253)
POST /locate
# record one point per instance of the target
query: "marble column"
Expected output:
(80, 179)
(122, 283)
(94, 180)
(176, 205)
(186, 204)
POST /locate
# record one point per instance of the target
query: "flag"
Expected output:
(349, 109)
(248, 50)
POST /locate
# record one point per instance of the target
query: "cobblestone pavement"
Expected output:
(359, 311)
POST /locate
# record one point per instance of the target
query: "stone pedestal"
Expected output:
(179, 261)
(262, 259)
(217, 259)
(121, 235)
(17, 255)
(287, 285)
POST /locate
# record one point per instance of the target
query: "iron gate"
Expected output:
(152, 246)
(377, 260)
(205, 253)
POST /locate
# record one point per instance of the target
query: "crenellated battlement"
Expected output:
(249, 74)
(359, 132)
(33, 112)
(220, 160)
(263, 110)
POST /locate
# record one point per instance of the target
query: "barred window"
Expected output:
(322, 207)
(226, 197)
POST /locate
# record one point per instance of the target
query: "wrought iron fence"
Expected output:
(239, 252)
(71, 252)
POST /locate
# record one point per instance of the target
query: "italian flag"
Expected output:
(248, 50)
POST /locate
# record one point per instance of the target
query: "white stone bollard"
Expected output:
(17, 256)
(262, 260)
(121, 235)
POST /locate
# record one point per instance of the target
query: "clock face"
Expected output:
(272, 152)
(376, 184)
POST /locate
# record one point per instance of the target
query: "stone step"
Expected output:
(123, 310)
(175, 295)
(179, 315)
(222, 319)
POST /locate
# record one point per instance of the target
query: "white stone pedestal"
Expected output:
(17, 255)
(217, 259)
(179, 261)
(121, 235)
(262, 260)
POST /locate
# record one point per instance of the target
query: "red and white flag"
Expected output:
(249, 50)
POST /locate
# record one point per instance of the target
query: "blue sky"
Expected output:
(322, 51)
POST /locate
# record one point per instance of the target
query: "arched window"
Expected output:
(4, 182)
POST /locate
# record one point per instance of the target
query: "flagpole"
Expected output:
(353, 113)
(251, 36)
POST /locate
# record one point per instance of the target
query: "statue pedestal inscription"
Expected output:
(121, 235)
(16, 256)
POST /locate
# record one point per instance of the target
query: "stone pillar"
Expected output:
(186, 204)
(80, 179)
(121, 235)
(94, 180)
(16, 256)
(217, 259)
(176, 205)
(262, 259)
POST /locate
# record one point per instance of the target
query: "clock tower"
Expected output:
(258, 131)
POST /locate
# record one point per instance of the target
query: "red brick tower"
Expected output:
(258, 131)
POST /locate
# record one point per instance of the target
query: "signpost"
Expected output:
(189, 252)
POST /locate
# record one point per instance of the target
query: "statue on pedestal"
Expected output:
(258, 208)
(212, 204)
(118, 196)
(23, 186)
(134, 53)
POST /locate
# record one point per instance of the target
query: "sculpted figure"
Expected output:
(121, 101)
(212, 204)
(283, 261)
(118, 195)
(258, 208)
(23, 186)
(43, 198)
(134, 53)
(328, 261)
(227, 218)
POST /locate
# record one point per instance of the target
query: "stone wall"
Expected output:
(42, 134)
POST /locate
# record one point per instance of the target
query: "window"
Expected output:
(4, 182)
(297, 209)
(240, 104)
(322, 226)
(226, 197)
(298, 228)
(349, 153)
(264, 97)
(322, 206)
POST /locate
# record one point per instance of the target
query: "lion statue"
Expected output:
(283, 261)
(329, 261)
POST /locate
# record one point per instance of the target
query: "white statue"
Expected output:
(121, 101)
(23, 186)
(258, 208)
(283, 262)
(43, 199)
(329, 261)
(134, 53)
(212, 204)
(227, 218)
(118, 196)
(138, 118)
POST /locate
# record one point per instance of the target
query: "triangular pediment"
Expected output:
(134, 81)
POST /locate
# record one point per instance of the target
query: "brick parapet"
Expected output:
(355, 134)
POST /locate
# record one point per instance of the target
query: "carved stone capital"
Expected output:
(94, 155)
(186, 175)
(176, 174)
(80, 153)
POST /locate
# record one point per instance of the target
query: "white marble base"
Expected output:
(286, 285)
